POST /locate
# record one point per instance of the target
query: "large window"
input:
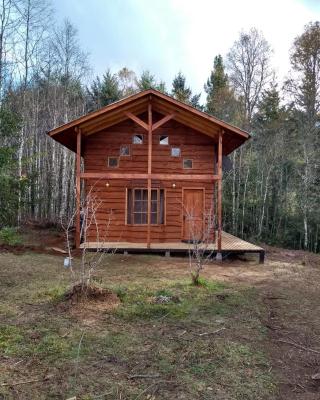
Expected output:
(137, 206)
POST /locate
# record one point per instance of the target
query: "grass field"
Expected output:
(218, 341)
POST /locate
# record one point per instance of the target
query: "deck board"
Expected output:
(229, 243)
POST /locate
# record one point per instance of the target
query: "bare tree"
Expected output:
(201, 241)
(249, 68)
(90, 260)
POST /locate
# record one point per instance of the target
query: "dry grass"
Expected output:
(213, 343)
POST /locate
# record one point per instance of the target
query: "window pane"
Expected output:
(137, 218)
(144, 218)
(144, 206)
(164, 139)
(154, 205)
(154, 218)
(187, 164)
(137, 194)
(175, 152)
(137, 139)
(145, 195)
(129, 206)
(154, 195)
(137, 206)
(113, 162)
(125, 150)
(161, 210)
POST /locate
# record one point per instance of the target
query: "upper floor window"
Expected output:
(137, 139)
(113, 162)
(125, 150)
(164, 139)
(187, 163)
(175, 151)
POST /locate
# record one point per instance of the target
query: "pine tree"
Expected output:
(146, 81)
(102, 93)
(180, 91)
(221, 101)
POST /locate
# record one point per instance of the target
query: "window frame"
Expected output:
(125, 155)
(164, 144)
(187, 159)
(111, 166)
(158, 212)
(175, 147)
(142, 139)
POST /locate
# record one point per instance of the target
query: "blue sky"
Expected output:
(165, 36)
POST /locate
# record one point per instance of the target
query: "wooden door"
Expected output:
(192, 214)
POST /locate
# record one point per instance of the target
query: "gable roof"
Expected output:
(137, 104)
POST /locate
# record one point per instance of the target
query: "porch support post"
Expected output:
(219, 208)
(78, 187)
(149, 171)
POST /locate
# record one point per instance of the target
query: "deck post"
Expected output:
(149, 171)
(219, 208)
(78, 187)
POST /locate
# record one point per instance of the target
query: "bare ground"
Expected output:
(253, 333)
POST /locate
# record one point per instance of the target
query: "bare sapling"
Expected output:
(82, 273)
(201, 241)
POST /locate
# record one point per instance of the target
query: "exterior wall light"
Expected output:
(107, 184)
(173, 185)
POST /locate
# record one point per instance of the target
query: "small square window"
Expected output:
(175, 152)
(137, 139)
(164, 139)
(187, 164)
(125, 150)
(113, 162)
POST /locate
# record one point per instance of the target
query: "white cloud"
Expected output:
(166, 36)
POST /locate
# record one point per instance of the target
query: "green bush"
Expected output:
(10, 236)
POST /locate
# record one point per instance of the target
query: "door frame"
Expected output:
(182, 208)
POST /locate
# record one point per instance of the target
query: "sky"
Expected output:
(168, 36)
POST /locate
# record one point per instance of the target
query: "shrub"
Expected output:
(10, 236)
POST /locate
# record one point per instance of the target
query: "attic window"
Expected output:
(113, 162)
(187, 163)
(125, 150)
(164, 139)
(175, 152)
(137, 139)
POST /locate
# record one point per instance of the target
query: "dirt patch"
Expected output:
(88, 304)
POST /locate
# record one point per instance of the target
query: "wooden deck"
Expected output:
(230, 244)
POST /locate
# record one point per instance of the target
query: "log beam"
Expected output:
(149, 171)
(78, 188)
(162, 121)
(160, 177)
(219, 208)
(138, 121)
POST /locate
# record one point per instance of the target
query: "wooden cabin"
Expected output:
(156, 166)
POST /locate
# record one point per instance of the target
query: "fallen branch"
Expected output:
(211, 333)
(46, 378)
(143, 376)
(299, 346)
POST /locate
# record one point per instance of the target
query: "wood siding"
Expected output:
(98, 147)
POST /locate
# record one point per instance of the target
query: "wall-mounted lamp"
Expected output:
(173, 185)
(107, 184)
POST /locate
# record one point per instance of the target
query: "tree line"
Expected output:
(271, 191)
